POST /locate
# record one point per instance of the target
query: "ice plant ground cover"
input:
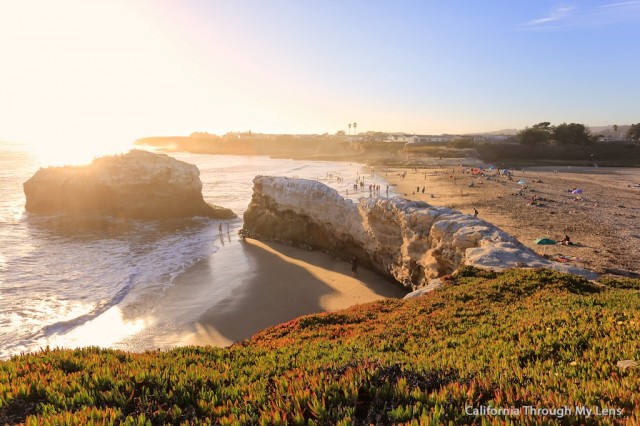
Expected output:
(483, 343)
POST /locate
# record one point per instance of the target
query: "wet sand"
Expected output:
(603, 221)
(248, 286)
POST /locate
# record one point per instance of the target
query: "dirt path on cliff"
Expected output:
(603, 220)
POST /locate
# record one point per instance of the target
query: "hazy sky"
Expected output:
(115, 70)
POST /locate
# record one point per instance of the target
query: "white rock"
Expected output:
(411, 241)
(433, 284)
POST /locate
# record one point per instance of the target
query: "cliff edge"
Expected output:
(138, 184)
(411, 242)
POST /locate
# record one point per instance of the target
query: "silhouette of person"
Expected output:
(354, 265)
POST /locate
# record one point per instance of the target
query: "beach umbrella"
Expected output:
(577, 191)
(521, 182)
(545, 242)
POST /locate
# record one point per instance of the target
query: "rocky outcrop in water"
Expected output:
(139, 184)
(409, 241)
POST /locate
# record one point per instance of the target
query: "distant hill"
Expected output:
(608, 130)
(503, 132)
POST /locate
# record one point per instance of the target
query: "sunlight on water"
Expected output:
(66, 285)
(105, 331)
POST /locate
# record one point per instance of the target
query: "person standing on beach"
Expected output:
(354, 265)
(475, 212)
(220, 228)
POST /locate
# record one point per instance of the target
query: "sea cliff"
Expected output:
(411, 242)
(138, 184)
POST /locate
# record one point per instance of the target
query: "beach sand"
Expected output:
(248, 286)
(604, 222)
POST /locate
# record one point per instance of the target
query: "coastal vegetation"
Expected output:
(517, 339)
(255, 144)
(540, 144)
(614, 154)
(633, 134)
(572, 134)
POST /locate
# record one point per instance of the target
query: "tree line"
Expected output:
(572, 133)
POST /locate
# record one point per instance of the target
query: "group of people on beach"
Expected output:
(374, 189)
(338, 177)
(220, 227)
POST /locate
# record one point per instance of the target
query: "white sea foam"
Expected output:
(64, 284)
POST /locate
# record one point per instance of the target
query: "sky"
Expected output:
(76, 72)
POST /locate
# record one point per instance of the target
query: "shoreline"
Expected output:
(324, 284)
(248, 286)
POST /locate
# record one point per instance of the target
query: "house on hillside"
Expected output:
(397, 137)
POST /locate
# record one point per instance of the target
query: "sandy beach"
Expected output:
(603, 221)
(272, 284)
(248, 286)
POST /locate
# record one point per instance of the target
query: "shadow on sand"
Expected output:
(246, 287)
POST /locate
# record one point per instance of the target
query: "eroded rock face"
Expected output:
(139, 184)
(409, 241)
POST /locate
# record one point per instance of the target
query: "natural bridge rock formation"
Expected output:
(139, 184)
(409, 241)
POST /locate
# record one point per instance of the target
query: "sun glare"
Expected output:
(106, 330)
(83, 79)
(72, 154)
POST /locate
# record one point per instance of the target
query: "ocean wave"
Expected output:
(62, 327)
(60, 274)
(129, 269)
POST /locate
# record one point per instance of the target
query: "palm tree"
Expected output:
(615, 131)
(349, 128)
(354, 127)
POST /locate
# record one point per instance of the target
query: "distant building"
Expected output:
(611, 138)
(249, 135)
(488, 137)
(416, 139)
(499, 138)
(397, 137)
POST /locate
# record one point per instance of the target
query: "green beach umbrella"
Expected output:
(545, 242)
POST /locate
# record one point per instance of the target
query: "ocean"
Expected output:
(65, 283)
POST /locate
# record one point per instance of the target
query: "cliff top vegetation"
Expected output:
(514, 339)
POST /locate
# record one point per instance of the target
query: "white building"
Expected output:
(400, 137)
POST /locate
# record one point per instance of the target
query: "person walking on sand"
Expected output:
(354, 265)
(220, 228)
(475, 212)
